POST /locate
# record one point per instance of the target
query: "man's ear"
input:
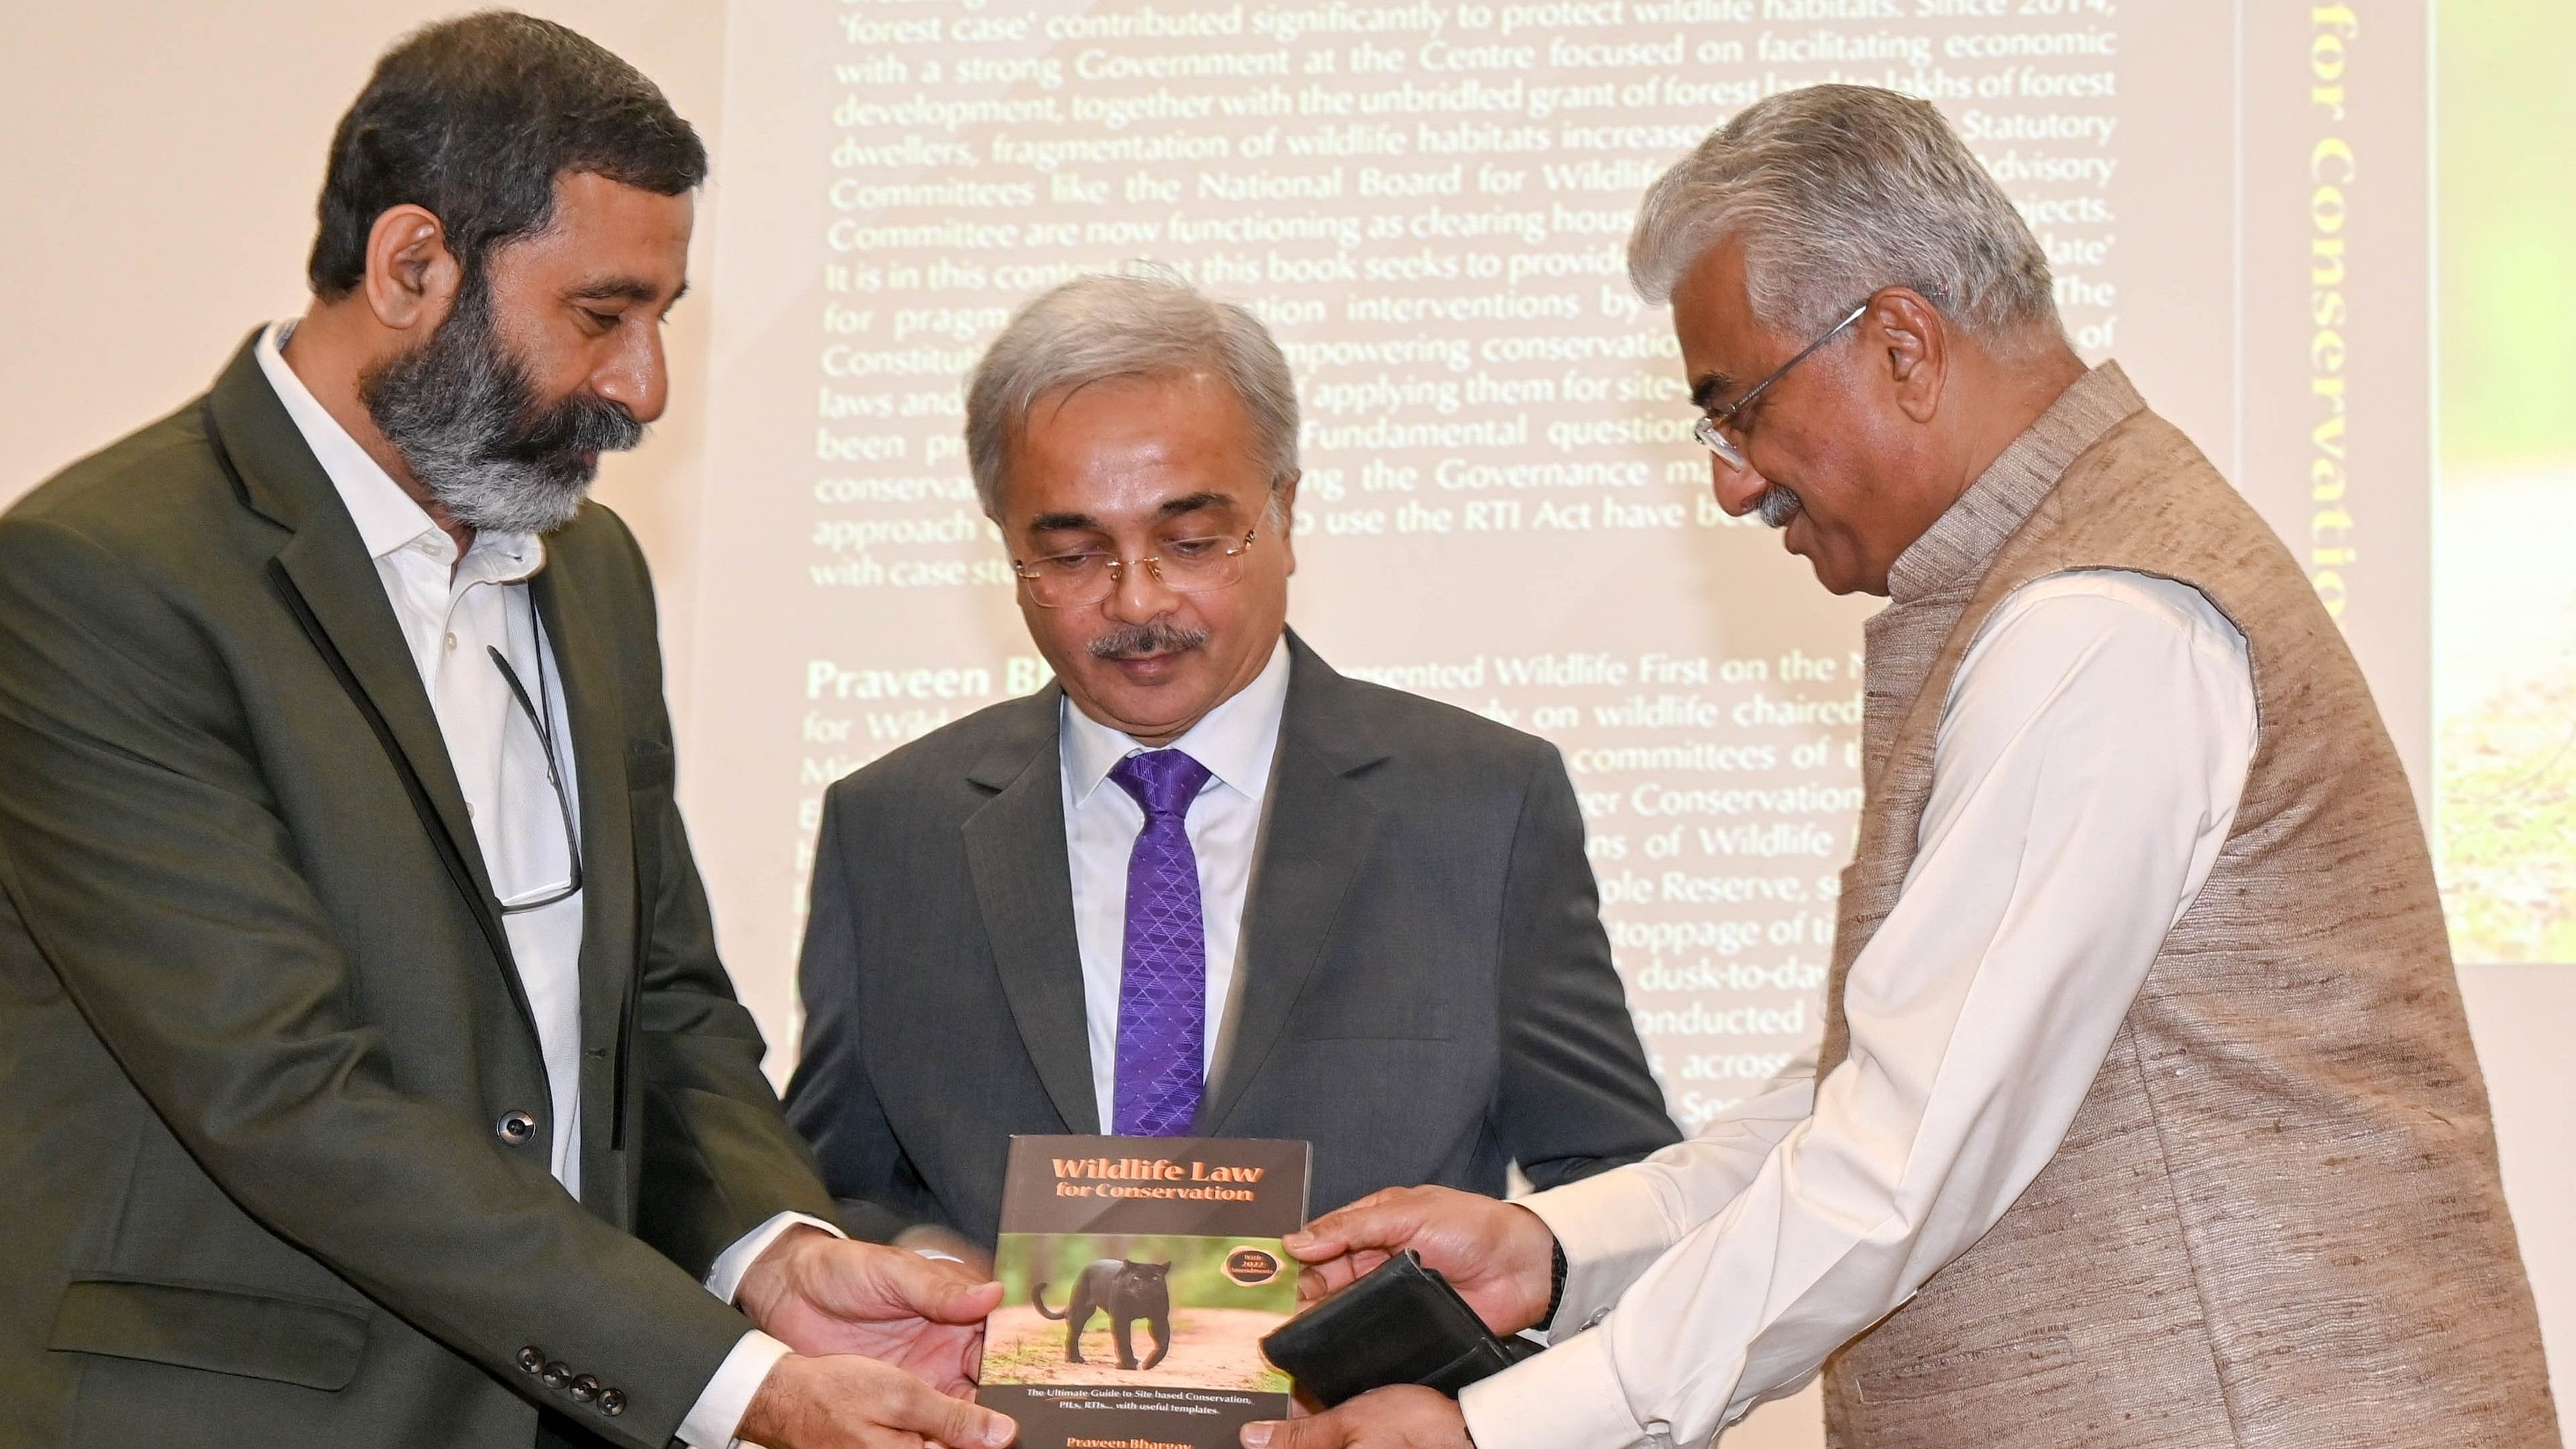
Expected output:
(411, 277)
(1904, 333)
(1283, 507)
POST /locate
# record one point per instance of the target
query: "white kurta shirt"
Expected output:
(1237, 741)
(451, 612)
(2087, 769)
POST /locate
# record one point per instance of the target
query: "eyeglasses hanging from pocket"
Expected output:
(542, 721)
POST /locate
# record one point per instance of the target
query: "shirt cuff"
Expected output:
(1566, 1398)
(725, 1278)
(718, 1412)
(1612, 1227)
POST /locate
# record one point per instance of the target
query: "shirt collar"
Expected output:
(1964, 539)
(1236, 740)
(388, 519)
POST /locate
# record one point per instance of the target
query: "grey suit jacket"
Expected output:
(1427, 993)
(259, 1020)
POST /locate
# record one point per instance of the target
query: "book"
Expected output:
(1139, 1276)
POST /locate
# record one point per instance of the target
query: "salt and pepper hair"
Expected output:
(1096, 328)
(1835, 191)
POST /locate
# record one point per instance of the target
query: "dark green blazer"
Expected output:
(258, 1019)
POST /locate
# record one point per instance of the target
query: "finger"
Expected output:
(967, 1302)
(942, 1246)
(1320, 1431)
(861, 1282)
(1364, 1224)
(940, 1290)
(1323, 1238)
(1324, 1280)
(917, 1408)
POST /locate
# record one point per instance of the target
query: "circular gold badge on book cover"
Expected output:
(1252, 1267)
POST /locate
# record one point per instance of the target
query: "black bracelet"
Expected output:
(1555, 1282)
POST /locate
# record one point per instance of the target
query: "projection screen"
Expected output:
(1501, 506)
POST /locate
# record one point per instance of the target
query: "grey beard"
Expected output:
(1157, 637)
(1777, 505)
(461, 411)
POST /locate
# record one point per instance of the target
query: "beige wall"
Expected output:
(158, 169)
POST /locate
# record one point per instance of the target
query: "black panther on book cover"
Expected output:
(1139, 1275)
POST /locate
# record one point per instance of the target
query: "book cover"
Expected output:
(1139, 1275)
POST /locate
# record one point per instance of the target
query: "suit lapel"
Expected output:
(342, 602)
(608, 887)
(350, 604)
(1321, 824)
(1015, 852)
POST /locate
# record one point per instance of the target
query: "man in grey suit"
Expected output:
(1202, 884)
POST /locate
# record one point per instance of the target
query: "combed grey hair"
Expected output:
(1096, 328)
(1835, 191)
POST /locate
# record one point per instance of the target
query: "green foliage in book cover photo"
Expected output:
(1138, 1308)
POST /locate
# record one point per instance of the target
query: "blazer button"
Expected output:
(555, 1375)
(612, 1402)
(532, 1358)
(515, 1127)
(585, 1389)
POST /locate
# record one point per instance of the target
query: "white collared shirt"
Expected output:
(1237, 741)
(450, 614)
(2087, 769)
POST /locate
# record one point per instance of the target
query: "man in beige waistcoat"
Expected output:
(2145, 1115)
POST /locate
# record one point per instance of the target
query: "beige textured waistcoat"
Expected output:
(2276, 1220)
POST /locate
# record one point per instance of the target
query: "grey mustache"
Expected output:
(1155, 638)
(1777, 506)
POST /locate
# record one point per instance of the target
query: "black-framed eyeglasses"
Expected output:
(1086, 576)
(542, 721)
(1712, 425)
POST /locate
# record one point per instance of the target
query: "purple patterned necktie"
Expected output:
(1162, 978)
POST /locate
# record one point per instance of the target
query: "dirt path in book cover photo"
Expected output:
(1218, 1348)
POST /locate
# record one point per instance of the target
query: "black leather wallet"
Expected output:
(1402, 1324)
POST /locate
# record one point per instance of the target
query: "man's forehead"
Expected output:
(1125, 423)
(1193, 399)
(591, 195)
(608, 240)
(1723, 348)
(1078, 512)
(1133, 448)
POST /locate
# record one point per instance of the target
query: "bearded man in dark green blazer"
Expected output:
(372, 1078)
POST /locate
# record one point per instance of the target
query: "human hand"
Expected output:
(1403, 1416)
(821, 1295)
(938, 1241)
(841, 1400)
(1498, 1255)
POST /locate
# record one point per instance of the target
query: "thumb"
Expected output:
(960, 1298)
(1329, 1235)
(957, 1423)
(944, 1291)
(1318, 1431)
(1369, 1223)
